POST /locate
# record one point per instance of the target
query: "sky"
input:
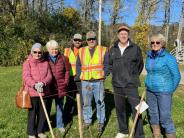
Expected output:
(129, 12)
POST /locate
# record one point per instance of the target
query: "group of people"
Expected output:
(84, 69)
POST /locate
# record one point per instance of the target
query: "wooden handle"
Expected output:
(137, 115)
(79, 115)
(45, 111)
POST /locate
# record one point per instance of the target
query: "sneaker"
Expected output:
(100, 127)
(41, 135)
(31, 136)
(86, 125)
(62, 130)
(121, 135)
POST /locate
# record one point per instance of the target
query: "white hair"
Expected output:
(52, 44)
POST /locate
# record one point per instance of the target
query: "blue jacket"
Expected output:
(163, 74)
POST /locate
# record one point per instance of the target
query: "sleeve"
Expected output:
(173, 67)
(106, 63)
(47, 80)
(140, 63)
(67, 69)
(78, 67)
(27, 77)
(110, 61)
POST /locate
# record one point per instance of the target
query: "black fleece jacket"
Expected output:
(125, 68)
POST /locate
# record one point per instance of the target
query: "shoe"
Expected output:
(41, 135)
(121, 135)
(86, 125)
(100, 127)
(31, 136)
(62, 130)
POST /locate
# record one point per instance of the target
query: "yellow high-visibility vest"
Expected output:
(92, 67)
(68, 52)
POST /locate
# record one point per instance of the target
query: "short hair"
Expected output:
(159, 37)
(52, 44)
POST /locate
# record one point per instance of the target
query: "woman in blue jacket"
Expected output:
(162, 79)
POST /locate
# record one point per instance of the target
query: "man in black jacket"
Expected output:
(126, 64)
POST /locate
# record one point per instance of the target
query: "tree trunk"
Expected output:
(167, 19)
(181, 22)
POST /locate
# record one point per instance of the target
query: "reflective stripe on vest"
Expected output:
(72, 59)
(92, 67)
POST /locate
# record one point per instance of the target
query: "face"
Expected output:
(36, 53)
(53, 51)
(77, 42)
(156, 44)
(123, 37)
(91, 42)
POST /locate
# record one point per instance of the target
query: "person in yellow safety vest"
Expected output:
(92, 67)
(72, 53)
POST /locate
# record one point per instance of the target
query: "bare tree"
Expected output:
(181, 22)
(115, 13)
(147, 8)
(117, 5)
(87, 10)
(167, 4)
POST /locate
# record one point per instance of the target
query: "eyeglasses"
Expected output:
(157, 42)
(37, 52)
(89, 39)
(79, 40)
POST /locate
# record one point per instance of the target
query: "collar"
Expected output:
(159, 53)
(119, 45)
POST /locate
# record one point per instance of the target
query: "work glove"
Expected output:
(39, 87)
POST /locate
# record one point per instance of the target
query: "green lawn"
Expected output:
(13, 121)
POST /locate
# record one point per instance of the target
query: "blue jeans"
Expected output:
(96, 89)
(160, 110)
(59, 112)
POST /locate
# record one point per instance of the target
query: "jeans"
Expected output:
(160, 110)
(96, 89)
(59, 112)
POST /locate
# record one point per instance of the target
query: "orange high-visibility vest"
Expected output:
(92, 67)
(72, 59)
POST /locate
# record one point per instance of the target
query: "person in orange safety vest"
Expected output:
(92, 67)
(73, 87)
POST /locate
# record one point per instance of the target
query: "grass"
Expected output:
(13, 121)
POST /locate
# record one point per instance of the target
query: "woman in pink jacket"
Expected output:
(36, 77)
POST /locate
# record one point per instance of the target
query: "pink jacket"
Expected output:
(36, 71)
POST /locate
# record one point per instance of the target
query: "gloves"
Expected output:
(77, 78)
(39, 87)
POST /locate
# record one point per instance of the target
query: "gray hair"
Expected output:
(159, 37)
(52, 44)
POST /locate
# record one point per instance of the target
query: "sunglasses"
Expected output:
(155, 43)
(79, 40)
(37, 52)
(89, 39)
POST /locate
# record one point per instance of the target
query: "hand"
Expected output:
(40, 90)
(77, 78)
(41, 84)
(39, 87)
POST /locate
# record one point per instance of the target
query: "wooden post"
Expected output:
(100, 23)
(79, 115)
(137, 115)
(45, 111)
